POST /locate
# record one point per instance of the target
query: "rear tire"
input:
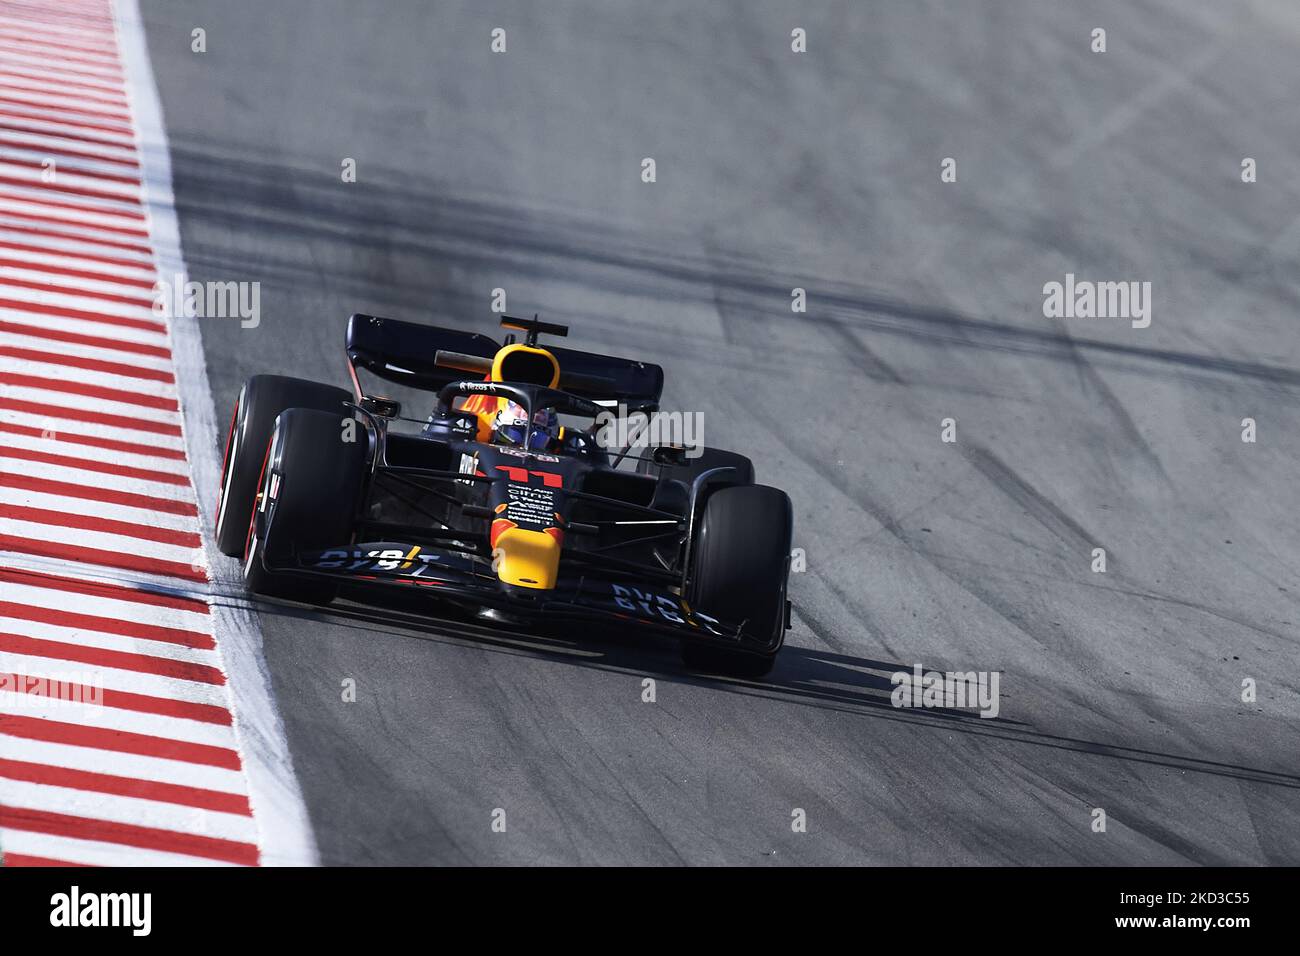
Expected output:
(262, 398)
(740, 571)
(318, 478)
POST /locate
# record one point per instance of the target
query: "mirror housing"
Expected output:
(668, 455)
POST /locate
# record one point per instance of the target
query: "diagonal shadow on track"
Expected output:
(423, 226)
(824, 680)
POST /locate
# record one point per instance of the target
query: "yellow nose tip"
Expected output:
(528, 559)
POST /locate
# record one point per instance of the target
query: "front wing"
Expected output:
(459, 578)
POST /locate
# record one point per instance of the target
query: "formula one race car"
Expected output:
(493, 505)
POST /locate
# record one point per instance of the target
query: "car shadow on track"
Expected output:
(394, 222)
(831, 681)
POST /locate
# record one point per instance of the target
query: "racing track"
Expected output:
(821, 170)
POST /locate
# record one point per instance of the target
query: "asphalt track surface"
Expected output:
(1120, 691)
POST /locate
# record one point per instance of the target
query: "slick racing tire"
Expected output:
(740, 570)
(262, 398)
(316, 477)
(709, 458)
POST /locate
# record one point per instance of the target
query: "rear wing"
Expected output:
(406, 353)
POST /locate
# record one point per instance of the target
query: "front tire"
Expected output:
(317, 478)
(740, 571)
(262, 398)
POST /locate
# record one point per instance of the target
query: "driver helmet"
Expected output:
(511, 427)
